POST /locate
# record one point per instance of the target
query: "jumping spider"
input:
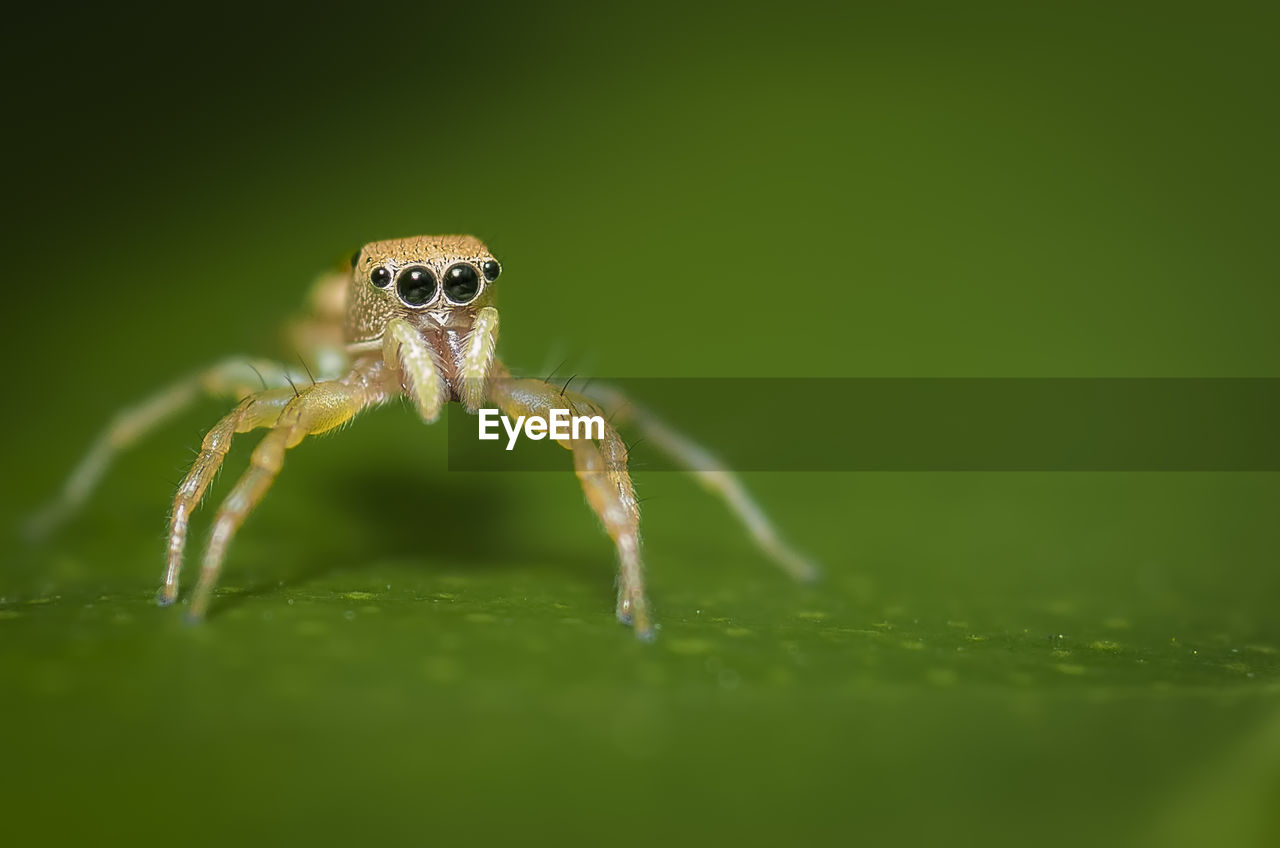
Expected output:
(412, 317)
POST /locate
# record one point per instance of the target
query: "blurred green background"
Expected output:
(769, 190)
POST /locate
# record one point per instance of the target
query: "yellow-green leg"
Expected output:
(260, 410)
(314, 410)
(712, 474)
(602, 471)
(234, 378)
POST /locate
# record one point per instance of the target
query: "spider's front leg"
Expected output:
(257, 410)
(602, 471)
(314, 409)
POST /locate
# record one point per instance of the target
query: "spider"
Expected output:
(412, 317)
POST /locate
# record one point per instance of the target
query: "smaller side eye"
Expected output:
(416, 285)
(355, 257)
(491, 269)
(381, 277)
(461, 283)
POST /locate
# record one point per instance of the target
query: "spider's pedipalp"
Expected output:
(477, 358)
(405, 350)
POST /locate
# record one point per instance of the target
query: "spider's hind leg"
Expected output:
(712, 474)
(233, 378)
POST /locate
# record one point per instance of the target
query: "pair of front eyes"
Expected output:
(416, 285)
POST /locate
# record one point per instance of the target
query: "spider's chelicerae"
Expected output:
(413, 317)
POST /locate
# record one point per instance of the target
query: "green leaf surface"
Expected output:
(416, 644)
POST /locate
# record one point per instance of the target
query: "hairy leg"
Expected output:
(234, 378)
(712, 475)
(602, 471)
(260, 410)
(315, 409)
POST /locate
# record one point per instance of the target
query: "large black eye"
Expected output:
(491, 269)
(416, 285)
(461, 282)
(380, 277)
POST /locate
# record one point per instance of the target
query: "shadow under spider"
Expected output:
(445, 521)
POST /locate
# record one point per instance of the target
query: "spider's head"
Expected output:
(432, 281)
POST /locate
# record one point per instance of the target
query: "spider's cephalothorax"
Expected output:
(437, 289)
(436, 282)
(411, 317)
